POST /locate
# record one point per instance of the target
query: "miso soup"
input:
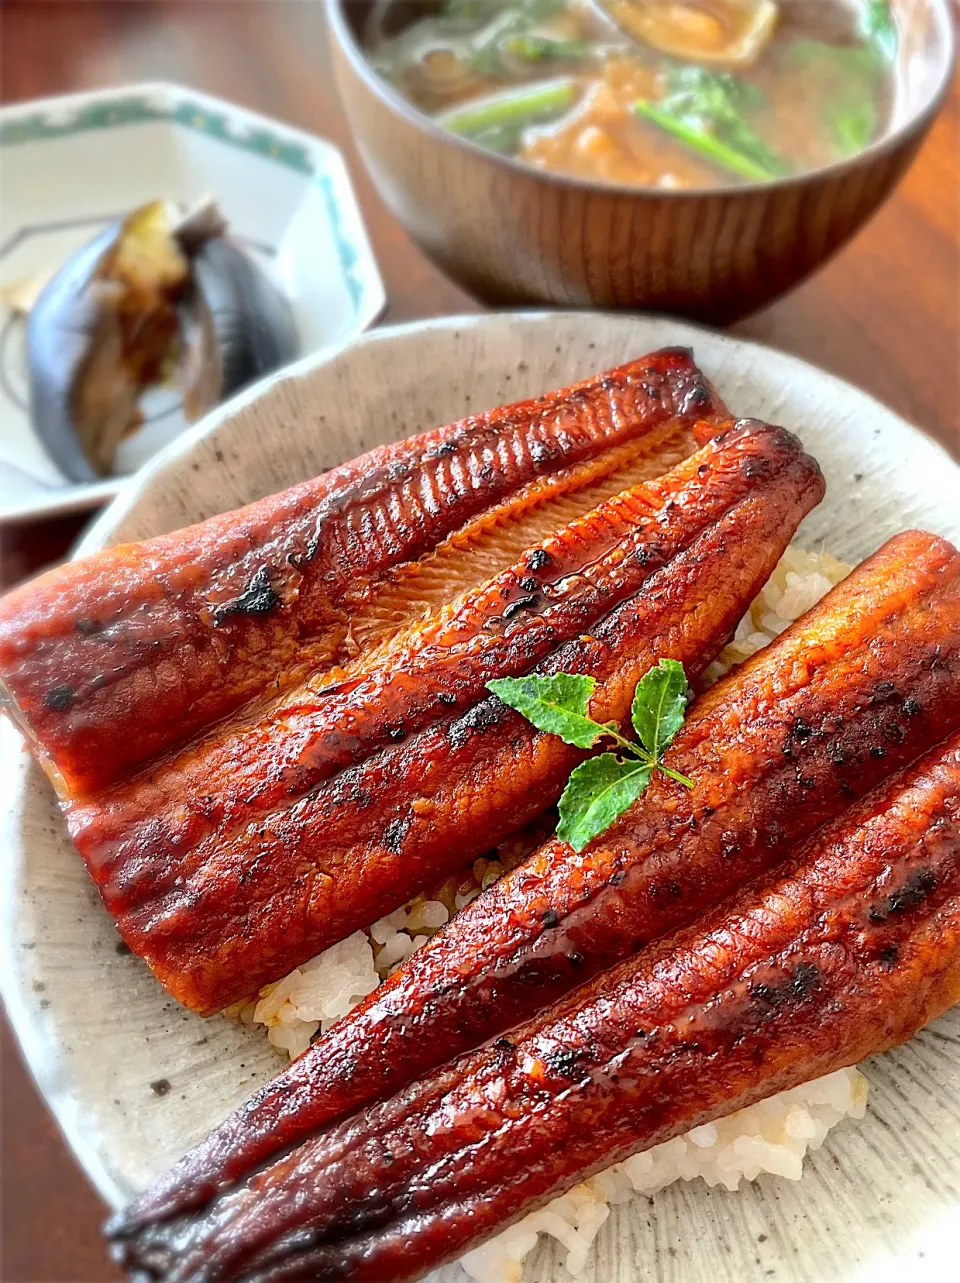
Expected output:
(650, 92)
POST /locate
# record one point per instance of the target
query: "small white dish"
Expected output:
(72, 165)
(134, 1079)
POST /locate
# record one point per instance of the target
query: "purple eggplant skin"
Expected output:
(241, 323)
(92, 352)
(61, 328)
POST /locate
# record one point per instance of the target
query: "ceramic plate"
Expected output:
(73, 165)
(134, 1079)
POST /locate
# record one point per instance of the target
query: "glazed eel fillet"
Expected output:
(109, 661)
(848, 950)
(857, 688)
(252, 851)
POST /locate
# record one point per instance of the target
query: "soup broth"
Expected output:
(651, 92)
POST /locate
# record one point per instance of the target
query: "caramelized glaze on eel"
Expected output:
(849, 950)
(116, 658)
(857, 688)
(269, 841)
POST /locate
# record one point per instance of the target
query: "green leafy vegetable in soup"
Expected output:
(498, 122)
(671, 93)
(707, 111)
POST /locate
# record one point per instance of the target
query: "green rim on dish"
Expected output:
(258, 141)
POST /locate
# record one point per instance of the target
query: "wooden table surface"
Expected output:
(884, 315)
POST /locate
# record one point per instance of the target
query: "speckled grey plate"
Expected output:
(134, 1079)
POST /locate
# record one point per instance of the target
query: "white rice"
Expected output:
(773, 1136)
(798, 582)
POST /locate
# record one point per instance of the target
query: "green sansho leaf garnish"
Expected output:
(602, 788)
(555, 704)
(598, 791)
(659, 706)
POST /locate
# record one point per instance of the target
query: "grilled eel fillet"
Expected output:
(858, 687)
(109, 661)
(273, 839)
(849, 950)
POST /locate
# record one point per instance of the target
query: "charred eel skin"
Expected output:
(111, 660)
(860, 686)
(847, 951)
(232, 866)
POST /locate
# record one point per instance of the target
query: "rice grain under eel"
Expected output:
(270, 841)
(855, 689)
(847, 951)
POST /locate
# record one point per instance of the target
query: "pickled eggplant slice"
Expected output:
(156, 295)
(99, 334)
(236, 326)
